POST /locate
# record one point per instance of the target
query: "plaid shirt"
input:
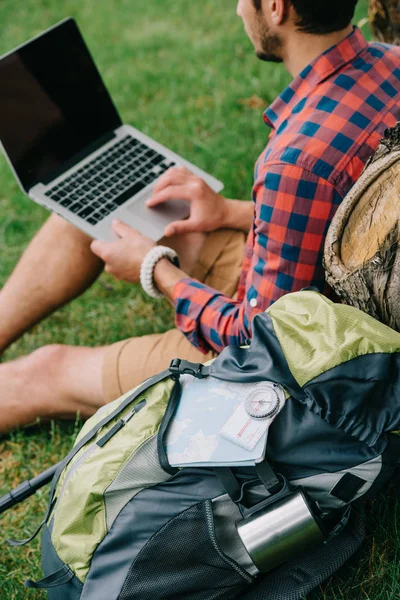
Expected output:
(325, 126)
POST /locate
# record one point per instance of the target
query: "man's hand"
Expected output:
(123, 257)
(208, 210)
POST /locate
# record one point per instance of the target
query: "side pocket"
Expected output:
(51, 562)
(211, 531)
(183, 561)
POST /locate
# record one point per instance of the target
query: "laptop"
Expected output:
(67, 146)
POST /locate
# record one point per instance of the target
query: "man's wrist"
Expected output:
(239, 214)
(148, 265)
(166, 276)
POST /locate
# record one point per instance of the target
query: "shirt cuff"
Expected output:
(189, 299)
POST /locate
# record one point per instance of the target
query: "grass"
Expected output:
(184, 73)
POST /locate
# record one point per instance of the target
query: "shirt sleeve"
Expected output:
(293, 210)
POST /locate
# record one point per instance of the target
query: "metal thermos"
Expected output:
(279, 529)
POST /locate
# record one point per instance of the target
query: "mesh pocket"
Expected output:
(183, 561)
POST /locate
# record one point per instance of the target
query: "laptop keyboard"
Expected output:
(109, 180)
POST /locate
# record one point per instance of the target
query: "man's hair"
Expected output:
(321, 16)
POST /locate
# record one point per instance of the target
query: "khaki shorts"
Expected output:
(219, 266)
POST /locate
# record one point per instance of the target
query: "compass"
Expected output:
(264, 400)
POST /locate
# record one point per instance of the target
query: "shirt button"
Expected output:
(253, 302)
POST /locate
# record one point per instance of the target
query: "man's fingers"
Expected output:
(171, 177)
(179, 227)
(174, 176)
(121, 228)
(172, 192)
(99, 248)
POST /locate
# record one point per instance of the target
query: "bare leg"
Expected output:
(56, 381)
(52, 382)
(57, 266)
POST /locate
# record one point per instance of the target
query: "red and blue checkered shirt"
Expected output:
(325, 126)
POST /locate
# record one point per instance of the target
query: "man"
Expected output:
(325, 126)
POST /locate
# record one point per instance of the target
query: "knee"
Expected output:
(48, 358)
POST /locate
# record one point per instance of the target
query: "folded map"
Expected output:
(197, 435)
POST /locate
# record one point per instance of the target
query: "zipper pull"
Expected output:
(121, 423)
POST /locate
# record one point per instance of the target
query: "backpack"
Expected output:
(123, 524)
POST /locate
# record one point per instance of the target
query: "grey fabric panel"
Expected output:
(361, 397)
(141, 471)
(226, 513)
(141, 518)
(51, 563)
(320, 486)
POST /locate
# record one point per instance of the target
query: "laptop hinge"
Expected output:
(76, 159)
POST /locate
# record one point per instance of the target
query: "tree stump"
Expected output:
(384, 16)
(362, 250)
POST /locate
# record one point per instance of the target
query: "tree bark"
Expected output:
(362, 250)
(384, 16)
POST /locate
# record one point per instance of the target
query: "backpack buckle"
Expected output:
(337, 530)
(180, 367)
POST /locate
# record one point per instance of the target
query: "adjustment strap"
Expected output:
(340, 526)
(63, 575)
(165, 423)
(230, 483)
(268, 477)
(13, 543)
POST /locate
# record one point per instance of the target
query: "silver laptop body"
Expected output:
(67, 146)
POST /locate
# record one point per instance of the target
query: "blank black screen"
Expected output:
(53, 103)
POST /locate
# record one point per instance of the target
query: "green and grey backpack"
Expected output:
(122, 524)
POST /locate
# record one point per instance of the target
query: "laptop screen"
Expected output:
(53, 103)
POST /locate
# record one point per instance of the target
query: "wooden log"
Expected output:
(362, 249)
(384, 16)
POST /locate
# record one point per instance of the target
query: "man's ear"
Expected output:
(278, 11)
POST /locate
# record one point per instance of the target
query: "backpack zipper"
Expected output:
(211, 532)
(121, 423)
(99, 444)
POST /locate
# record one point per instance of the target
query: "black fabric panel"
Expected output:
(51, 563)
(301, 444)
(305, 437)
(263, 361)
(347, 487)
(361, 397)
(141, 518)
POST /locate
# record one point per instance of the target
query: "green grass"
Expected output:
(181, 71)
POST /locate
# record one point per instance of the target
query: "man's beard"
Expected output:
(271, 44)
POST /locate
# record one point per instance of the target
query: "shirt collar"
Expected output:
(320, 69)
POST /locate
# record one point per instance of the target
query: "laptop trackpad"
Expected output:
(161, 215)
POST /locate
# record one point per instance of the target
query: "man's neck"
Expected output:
(302, 48)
